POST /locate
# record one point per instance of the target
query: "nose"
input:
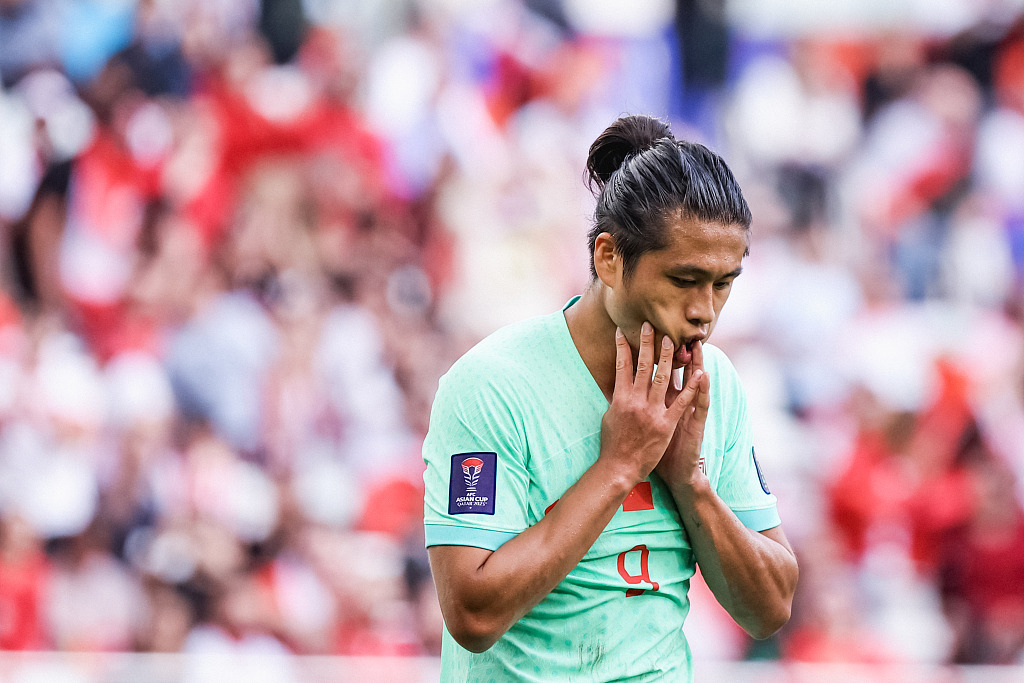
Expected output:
(700, 309)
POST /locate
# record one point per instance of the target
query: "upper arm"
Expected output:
(786, 570)
(462, 599)
(454, 567)
(476, 479)
(779, 536)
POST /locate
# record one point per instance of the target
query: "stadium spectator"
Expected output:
(239, 251)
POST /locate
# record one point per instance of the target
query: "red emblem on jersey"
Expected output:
(640, 498)
(471, 468)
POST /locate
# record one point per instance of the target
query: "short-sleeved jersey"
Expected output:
(517, 421)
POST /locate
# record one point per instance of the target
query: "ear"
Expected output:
(607, 262)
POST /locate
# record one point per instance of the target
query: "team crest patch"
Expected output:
(472, 484)
(760, 474)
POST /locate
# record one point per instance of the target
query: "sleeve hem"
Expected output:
(759, 519)
(449, 534)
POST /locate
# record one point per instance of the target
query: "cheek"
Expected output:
(626, 311)
(719, 304)
(629, 320)
(720, 299)
(629, 314)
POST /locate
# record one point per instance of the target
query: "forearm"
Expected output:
(753, 575)
(484, 598)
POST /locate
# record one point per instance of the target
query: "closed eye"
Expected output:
(686, 282)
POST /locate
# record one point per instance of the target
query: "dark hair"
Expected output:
(641, 174)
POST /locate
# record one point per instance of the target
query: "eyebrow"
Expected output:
(700, 273)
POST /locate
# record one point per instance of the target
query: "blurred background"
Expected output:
(240, 240)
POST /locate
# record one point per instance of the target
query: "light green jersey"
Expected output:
(516, 422)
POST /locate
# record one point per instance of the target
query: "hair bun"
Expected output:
(626, 137)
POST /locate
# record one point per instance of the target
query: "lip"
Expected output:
(684, 354)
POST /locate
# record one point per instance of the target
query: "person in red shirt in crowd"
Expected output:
(24, 575)
(903, 477)
(981, 566)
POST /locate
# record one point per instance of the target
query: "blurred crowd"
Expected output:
(242, 239)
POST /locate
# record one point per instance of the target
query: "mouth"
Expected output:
(684, 354)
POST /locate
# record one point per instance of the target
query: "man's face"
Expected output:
(680, 289)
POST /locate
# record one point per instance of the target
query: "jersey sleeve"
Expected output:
(741, 483)
(476, 480)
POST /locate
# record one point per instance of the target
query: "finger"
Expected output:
(645, 358)
(689, 367)
(675, 387)
(623, 360)
(683, 402)
(701, 404)
(663, 375)
(697, 351)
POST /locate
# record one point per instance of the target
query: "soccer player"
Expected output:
(581, 464)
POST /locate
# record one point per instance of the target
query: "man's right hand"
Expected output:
(638, 426)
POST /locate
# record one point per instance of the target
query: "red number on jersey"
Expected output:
(644, 575)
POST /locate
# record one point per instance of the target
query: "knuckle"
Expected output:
(638, 412)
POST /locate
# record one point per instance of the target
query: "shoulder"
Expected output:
(506, 354)
(487, 394)
(501, 365)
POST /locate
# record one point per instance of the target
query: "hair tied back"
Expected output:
(624, 139)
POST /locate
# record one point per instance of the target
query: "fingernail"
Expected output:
(647, 329)
(618, 333)
(666, 343)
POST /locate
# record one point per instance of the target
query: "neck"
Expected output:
(593, 333)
